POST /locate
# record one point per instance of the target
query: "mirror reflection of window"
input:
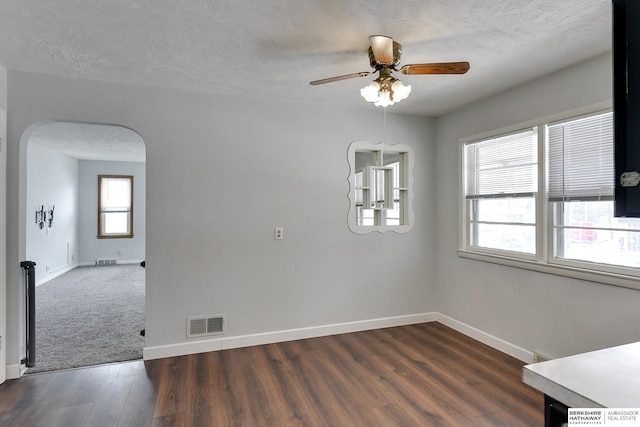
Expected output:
(380, 191)
(392, 215)
(364, 214)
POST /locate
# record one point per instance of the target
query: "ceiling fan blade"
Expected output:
(436, 68)
(338, 78)
(382, 48)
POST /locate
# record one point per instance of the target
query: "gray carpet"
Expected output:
(90, 316)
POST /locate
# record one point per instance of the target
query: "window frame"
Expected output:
(468, 206)
(544, 259)
(101, 234)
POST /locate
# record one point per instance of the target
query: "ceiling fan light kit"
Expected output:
(385, 91)
(384, 58)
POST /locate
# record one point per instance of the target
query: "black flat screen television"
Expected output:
(626, 106)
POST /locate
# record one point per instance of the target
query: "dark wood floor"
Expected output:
(419, 375)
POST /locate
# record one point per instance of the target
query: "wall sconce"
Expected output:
(48, 216)
(40, 217)
(43, 217)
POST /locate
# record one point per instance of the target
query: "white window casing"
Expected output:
(554, 176)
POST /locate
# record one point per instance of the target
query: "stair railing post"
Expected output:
(30, 315)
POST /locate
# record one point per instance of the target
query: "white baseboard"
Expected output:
(129, 261)
(320, 331)
(119, 261)
(486, 338)
(15, 371)
(181, 349)
(70, 267)
(59, 272)
(225, 343)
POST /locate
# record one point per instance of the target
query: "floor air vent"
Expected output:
(205, 325)
(105, 262)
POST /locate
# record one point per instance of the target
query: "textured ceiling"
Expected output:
(91, 142)
(273, 48)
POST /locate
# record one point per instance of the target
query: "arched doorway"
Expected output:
(85, 285)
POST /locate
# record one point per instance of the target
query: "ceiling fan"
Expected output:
(384, 58)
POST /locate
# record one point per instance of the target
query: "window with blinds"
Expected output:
(581, 188)
(581, 159)
(501, 183)
(502, 167)
(557, 209)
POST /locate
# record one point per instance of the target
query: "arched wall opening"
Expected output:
(59, 164)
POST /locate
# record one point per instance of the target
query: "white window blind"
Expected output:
(581, 159)
(115, 194)
(502, 167)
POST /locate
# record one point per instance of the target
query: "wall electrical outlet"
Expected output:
(278, 233)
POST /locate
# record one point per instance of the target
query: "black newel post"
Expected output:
(30, 295)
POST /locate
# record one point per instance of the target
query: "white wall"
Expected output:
(52, 179)
(222, 172)
(539, 312)
(92, 248)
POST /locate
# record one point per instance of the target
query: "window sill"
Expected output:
(613, 279)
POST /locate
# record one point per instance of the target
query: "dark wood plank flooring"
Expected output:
(418, 375)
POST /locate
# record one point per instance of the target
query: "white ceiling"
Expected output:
(273, 48)
(85, 141)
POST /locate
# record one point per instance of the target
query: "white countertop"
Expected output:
(608, 378)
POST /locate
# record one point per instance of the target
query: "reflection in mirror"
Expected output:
(380, 188)
(364, 160)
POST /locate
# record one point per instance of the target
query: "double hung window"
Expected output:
(115, 206)
(581, 187)
(501, 187)
(544, 195)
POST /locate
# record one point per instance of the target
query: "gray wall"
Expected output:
(3, 88)
(92, 248)
(3, 222)
(52, 179)
(221, 174)
(555, 315)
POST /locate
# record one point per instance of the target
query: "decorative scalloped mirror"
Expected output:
(380, 187)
